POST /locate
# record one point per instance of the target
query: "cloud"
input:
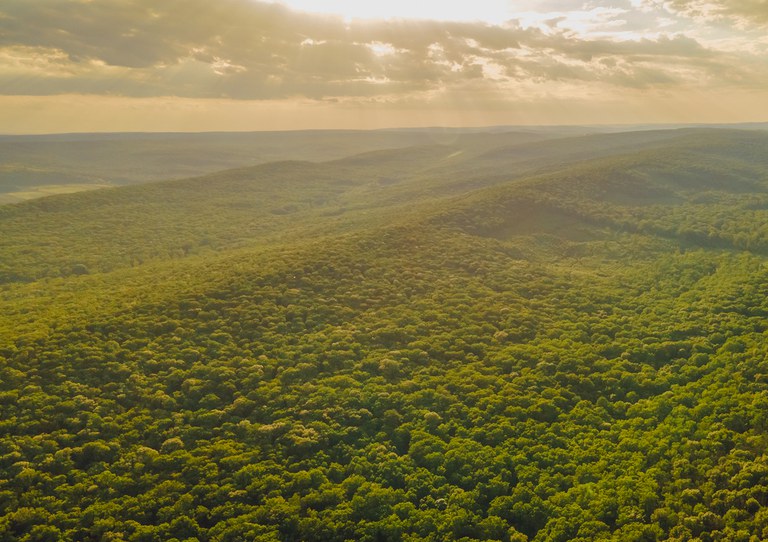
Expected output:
(744, 12)
(251, 50)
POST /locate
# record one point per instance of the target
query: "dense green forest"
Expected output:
(491, 338)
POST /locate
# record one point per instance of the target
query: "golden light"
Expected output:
(490, 11)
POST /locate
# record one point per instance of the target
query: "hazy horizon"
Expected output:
(628, 127)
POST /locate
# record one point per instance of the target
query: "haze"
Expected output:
(76, 65)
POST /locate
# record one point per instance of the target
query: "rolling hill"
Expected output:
(38, 165)
(488, 338)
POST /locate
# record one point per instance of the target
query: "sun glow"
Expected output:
(490, 11)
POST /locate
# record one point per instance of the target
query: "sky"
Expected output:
(199, 65)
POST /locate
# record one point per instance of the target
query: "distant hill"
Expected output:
(627, 173)
(35, 166)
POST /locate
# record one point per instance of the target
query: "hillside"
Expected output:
(38, 165)
(479, 339)
(272, 203)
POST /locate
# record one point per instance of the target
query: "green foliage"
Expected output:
(433, 370)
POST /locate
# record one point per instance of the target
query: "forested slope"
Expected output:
(33, 164)
(370, 349)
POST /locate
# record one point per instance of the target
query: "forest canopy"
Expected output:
(483, 340)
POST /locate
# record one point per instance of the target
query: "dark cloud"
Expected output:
(245, 49)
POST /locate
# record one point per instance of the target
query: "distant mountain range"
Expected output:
(38, 165)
